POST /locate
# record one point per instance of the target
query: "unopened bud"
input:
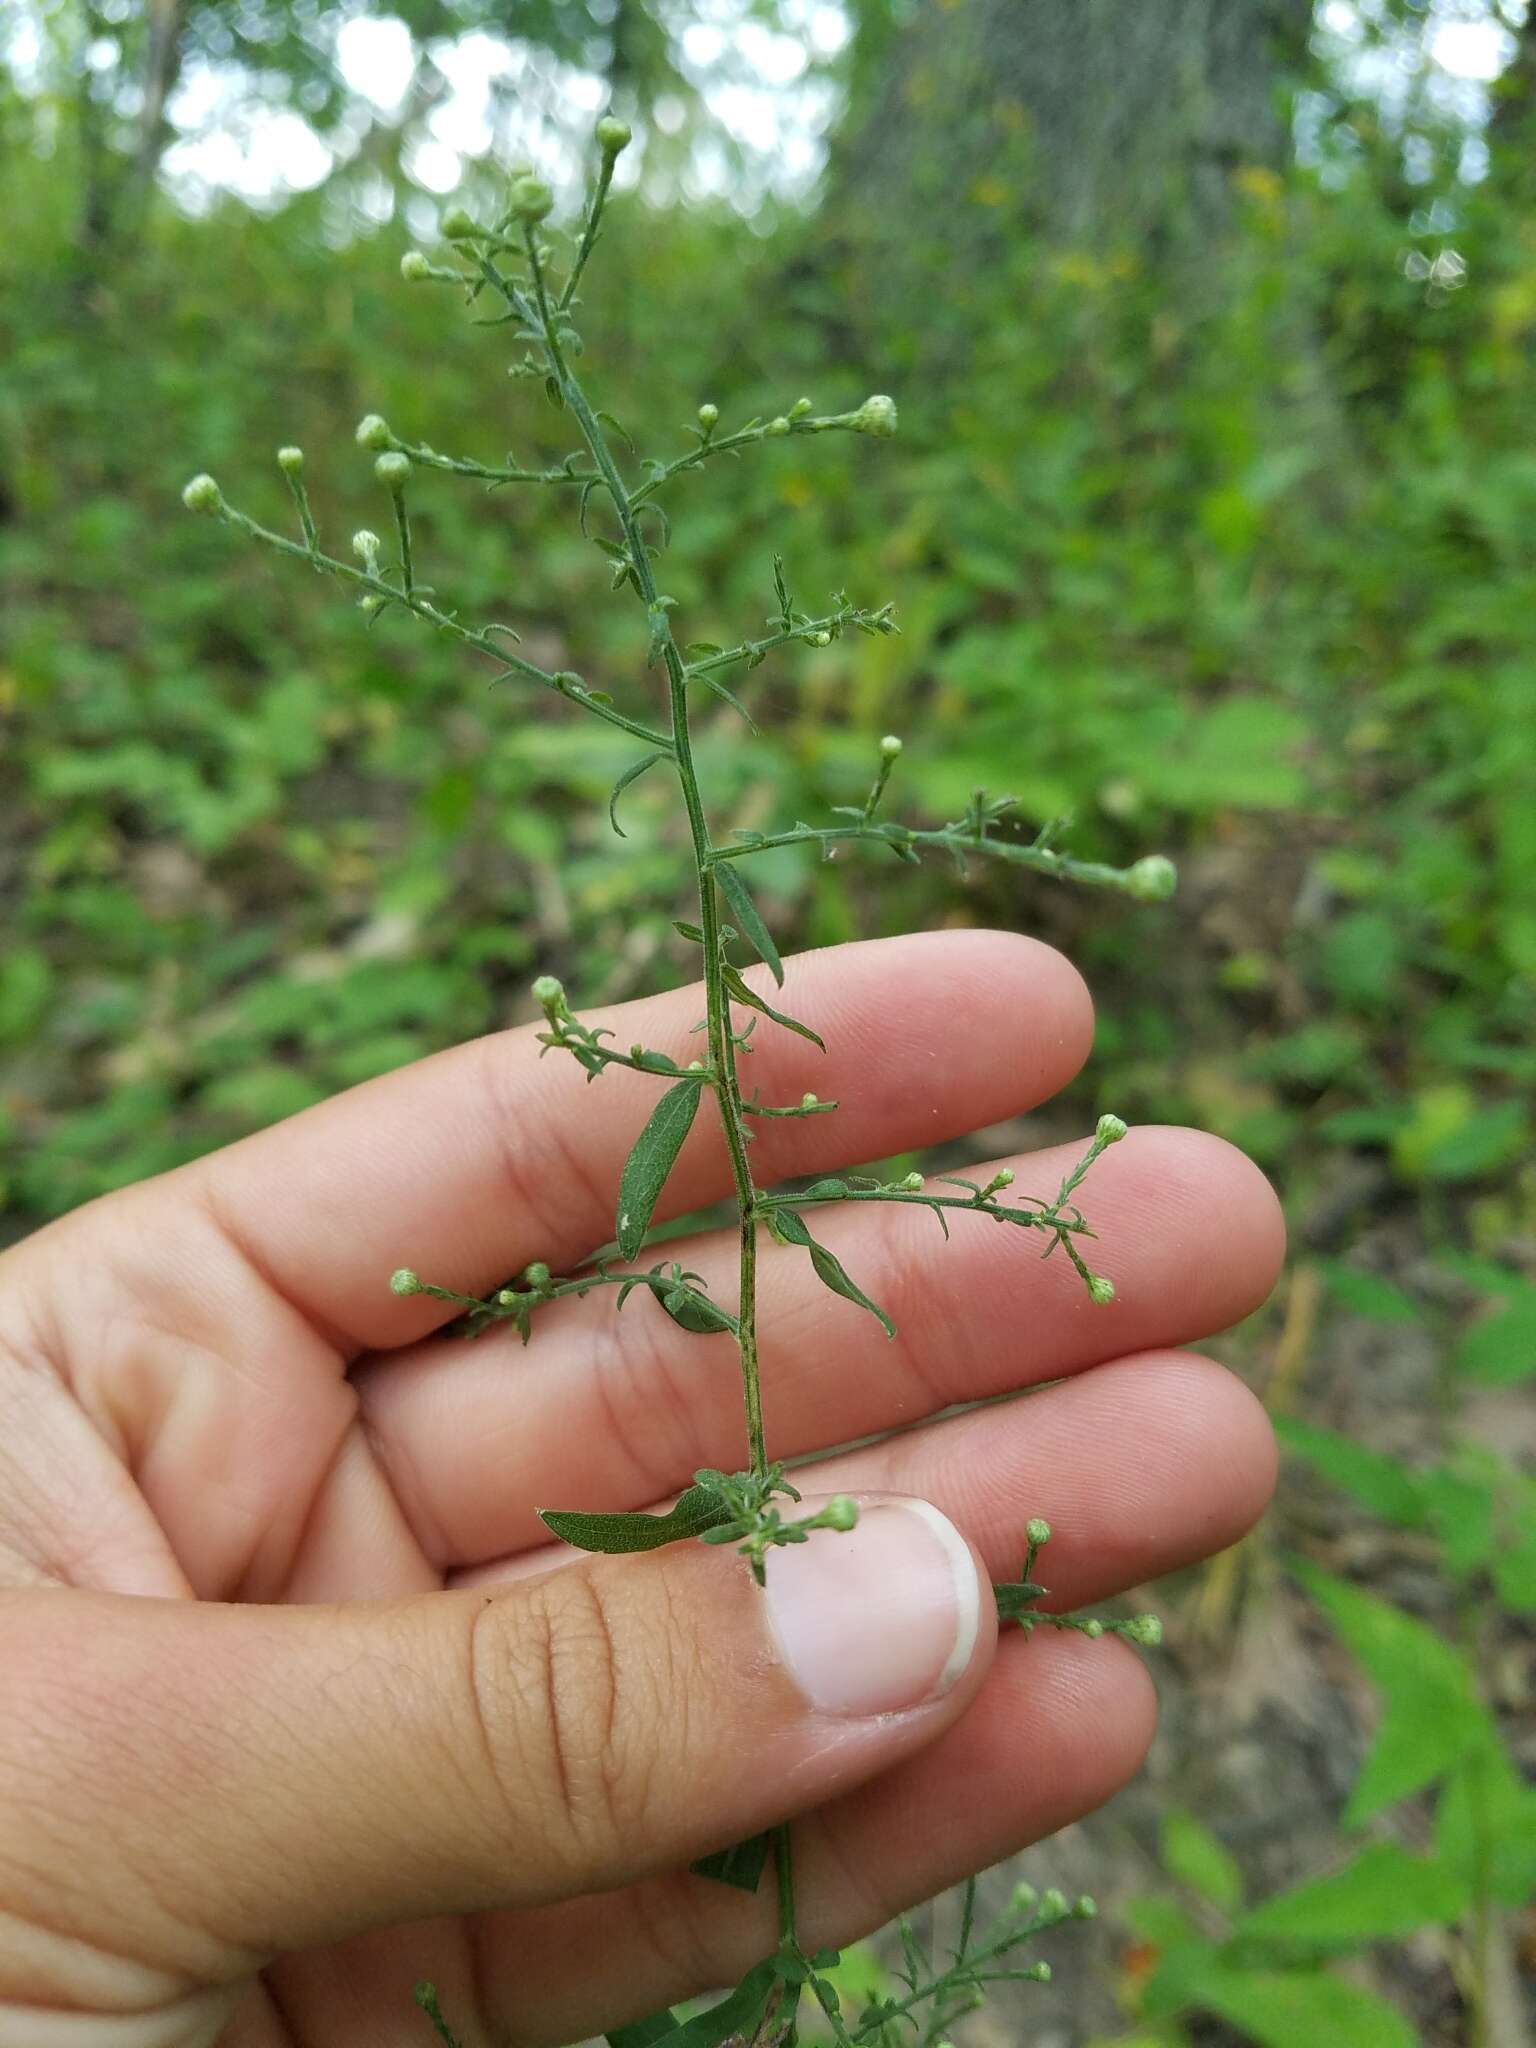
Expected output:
(404, 1282)
(393, 471)
(290, 460)
(841, 1512)
(1093, 1630)
(414, 267)
(365, 545)
(1085, 1908)
(877, 415)
(777, 429)
(709, 417)
(371, 604)
(1054, 1903)
(1145, 1629)
(530, 200)
(818, 639)
(548, 991)
(808, 1100)
(1109, 1130)
(202, 494)
(457, 225)
(890, 746)
(799, 409)
(1101, 1289)
(1003, 1178)
(1037, 1530)
(537, 1275)
(1023, 1899)
(613, 135)
(913, 1182)
(1152, 879)
(373, 431)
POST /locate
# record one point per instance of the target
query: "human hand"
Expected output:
(293, 1712)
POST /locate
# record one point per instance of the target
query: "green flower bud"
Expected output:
(373, 431)
(818, 639)
(1109, 1130)
(1023, 1900)
(808, 1100)
(365, 545)
(404, 1282)
(392, 471)
(877, 415)
(1003, 1178)
(841, 1512)
(1152, 879)
(694, 1067)
(613, 135)
(912, 1182)
(1145, 1629)
(890, 746)
(1085, 1908)
(1093, 1630)
(777, 429)
(290, 460)
(800, 408)
(505, 1296)
(414, 267)
(1037, 1530)
(1101, 1290)
(709, 417)
(371, 603)
(1054, 1903)
(530, 200)
(549, 992)
(457, 225)
(1039, 1973)
(203, 495)
(537, 1275)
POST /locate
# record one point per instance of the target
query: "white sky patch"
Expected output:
(377, 58)
(1472, 49)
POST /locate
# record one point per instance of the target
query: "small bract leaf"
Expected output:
(790, 1229)
(741, 1865)
(652, 1159)
(631, 774)
(749, 919)
(740, 993)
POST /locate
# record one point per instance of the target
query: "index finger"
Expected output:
(469, 1164)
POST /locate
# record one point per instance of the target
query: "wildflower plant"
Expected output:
(509, 265)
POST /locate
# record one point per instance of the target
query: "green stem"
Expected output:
(948, 838)
(722, 1042)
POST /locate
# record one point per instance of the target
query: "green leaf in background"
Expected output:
(1242, 751)
(1377, 1481)
(1499, 1348)
(1450, 1136)
(1383, 1894)
(741, 1865)
(651, 1160)
(1431, 1715)
(1485, 1825)
(1304, 2009)
(617, 1535)
(749, 919)
(1367, 1294)
(1192, 1854)
(790, 1229)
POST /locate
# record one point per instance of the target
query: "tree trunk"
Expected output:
(1093, 123)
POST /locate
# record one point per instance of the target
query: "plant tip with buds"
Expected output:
(1110, 1129)
(530, 200)
(404, 1282)
(1101, 1290)
(841, 1512)
(613, 135)
(1145, 1629)
(373, 431)
(877, 415)
(548, 991)
(202, 494)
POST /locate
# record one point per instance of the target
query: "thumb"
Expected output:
(198, 1786)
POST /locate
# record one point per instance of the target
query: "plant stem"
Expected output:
(722, 1043)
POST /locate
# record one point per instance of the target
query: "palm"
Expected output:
(243, 1412)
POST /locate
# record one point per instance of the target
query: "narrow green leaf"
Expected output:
(618, 1535)
(1431, 1714)
(1380, 1483)
(741, 1865)
(790, 1229)
(740, 2012)
(631, 774)
(1485, 1825)
(644, 2033)
(652, 1159)
(1383, 1894)
(1500, 1348)
(749, 920)
(695, 1312)
(1282, 2008)
(740, 993)
(1368, 1294)
(1192, 1854)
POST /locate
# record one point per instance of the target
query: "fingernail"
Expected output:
(880, 1619)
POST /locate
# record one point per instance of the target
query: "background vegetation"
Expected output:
(1213, 528)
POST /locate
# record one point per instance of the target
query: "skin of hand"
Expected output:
(300, 1706)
